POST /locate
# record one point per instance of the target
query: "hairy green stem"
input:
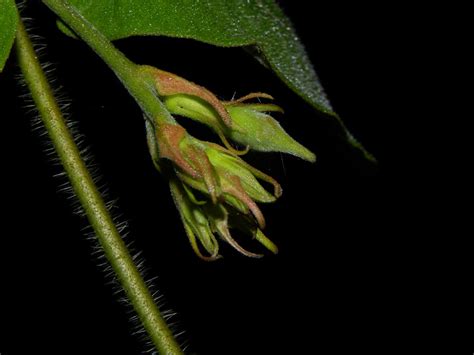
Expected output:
(128, 72)
(91, 200)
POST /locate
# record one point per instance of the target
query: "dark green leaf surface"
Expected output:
(8, 25)
(223, 23)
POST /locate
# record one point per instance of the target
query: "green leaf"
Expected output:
(228, 23)
(8, 26)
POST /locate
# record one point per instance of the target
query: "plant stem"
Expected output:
(91, 200)
(127, 71)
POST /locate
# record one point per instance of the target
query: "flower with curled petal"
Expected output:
(231, 188)
(202, 220)
(228, 188)
(244, 122)
(215, 171)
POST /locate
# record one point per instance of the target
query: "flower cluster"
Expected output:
(214, 189)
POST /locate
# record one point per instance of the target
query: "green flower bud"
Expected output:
(262, 132)
(245, 123)
(251, 126)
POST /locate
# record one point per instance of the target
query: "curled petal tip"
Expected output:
(238, 191)
(208, 258)
(252, 95)
(229, 146)
(228, 238)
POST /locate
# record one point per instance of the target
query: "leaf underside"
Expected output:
(226, 23)
(8, 26)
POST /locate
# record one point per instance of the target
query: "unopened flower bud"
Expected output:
(262, 132)
(248, 124)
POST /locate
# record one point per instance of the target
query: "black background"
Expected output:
(333, 288)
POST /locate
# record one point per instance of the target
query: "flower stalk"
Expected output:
(128, 72)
